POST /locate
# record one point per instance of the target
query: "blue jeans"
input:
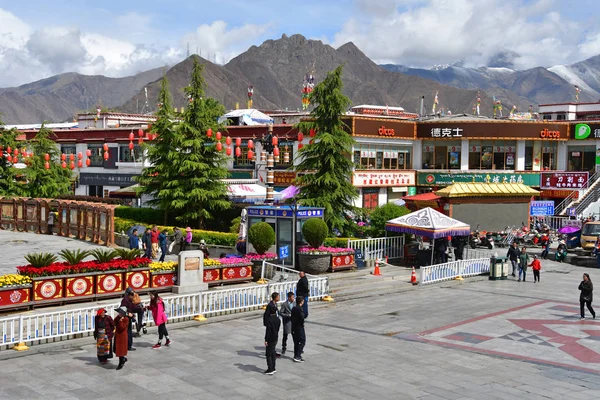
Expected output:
(305, 307)
(514, 263)
(163, 250)
(522, 271)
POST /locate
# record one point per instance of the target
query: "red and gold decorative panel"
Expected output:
(212, 275)
(109, 283)
(342, 261)
(48, 289)
(79, 287)
(13, 296)
(163, 280)
(236, 273)
(138, 279)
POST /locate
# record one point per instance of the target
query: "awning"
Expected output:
(247, 191)
(428, 223)
(422, 197)
(248, 116)
(483, 189)
(129, 192)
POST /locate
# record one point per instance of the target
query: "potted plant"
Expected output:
(14, 290)
(262, 237)
(310, 259)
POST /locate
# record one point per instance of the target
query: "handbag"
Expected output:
(136, 299)
(171, 247)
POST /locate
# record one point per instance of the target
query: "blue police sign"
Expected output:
(541, 208)
(284, 252)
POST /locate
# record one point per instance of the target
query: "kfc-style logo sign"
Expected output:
(383, 131)
(548, 134)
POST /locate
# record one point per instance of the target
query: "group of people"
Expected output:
(154, 240)
(519, 258)
(116, 336)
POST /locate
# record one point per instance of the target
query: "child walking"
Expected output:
(536, 266)
(157, 306)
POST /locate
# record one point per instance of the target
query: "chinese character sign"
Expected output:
(564, 180)
(383, 179)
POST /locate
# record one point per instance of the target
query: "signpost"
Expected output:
(284, 252)
(541, 208)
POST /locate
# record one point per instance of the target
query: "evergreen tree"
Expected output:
(42, 182)
(9, 185)
(327, 162)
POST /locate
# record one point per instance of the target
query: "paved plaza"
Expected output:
(478, 339)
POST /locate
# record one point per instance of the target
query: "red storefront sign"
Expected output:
(563, 180)
(559, 193)
(383, 178)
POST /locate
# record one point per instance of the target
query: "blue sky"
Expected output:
(116, 38)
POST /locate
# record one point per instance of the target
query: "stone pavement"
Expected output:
(449, 341)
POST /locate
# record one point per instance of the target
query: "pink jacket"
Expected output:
(158, 313)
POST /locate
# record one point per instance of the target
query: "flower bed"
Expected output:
(325, 250)
(318, 260)
(261, 257)
(14, 280)
(163, 266)
(216, 271)
(63, 268)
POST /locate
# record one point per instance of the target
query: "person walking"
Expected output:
(458, 242)
(523, 263)
(286, 317)
(122, 322)
(271, 336)
(104, 328)
(298, 333)
(302, 289)
(162, 242)
(147, 243)
(586, 297)
(536, 266)
(513, 256)
(154, 241)
(188, 238)
(134, 240)
(178, 239)
(204, 248)
(132, 309)
(51, 218)
(157, 307)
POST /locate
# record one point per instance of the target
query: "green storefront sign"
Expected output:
(446, 179)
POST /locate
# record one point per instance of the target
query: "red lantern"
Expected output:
(275, 141)
(228, 141)
(238, 142)
(228, 150)
(79, 155)
(250, 144)
(88, 162)
(9, 158)
(8, 149)
(63, 157)
(105, 155)
(71, 157)
(276, 151)
(219, 146)
(140, 132)
(130, 145)
(105, 147)
(1, 148)
(300, 136)
(64, 164)
(140, 141)
(300, 146)
(209, 132)
(312, 132)
(311, 141)
(219, 135)
(79, 164)
(16, 153)
(47, 165)
(88, 153)
(238, 152)
(250, 155)
(47, 157)
(131, 136)
(72, 165)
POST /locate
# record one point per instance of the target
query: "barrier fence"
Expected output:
(70, 324)
(278, 273)
(454, 269)
(379, 248)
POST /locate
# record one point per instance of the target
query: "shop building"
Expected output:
(569, 111)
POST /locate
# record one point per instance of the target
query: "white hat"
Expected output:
(122, 310)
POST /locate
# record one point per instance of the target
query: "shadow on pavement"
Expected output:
(94, 361)
(250, 353)
(249, 368)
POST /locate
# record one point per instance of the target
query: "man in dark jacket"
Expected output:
(513, 256)
(298, 333)
(147, 243)
(458, 242)
(177, 239)
(286, 316)
(127, 302)
(271, 335)
(303, 290)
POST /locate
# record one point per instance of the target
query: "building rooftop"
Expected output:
(483, 189)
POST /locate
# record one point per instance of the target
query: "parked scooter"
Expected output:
(485, 239)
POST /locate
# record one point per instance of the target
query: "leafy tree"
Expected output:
(42, 182)
(9, 183)
(382, 214)
(186, 177)
(327, 162)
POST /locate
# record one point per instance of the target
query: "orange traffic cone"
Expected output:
(376, 271)
(413, 277)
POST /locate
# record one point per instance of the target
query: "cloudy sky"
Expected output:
(40, 38)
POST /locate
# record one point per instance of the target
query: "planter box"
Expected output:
(14, 296)
(48, 288)
(109, 284)
(80, 286)
(162, 279)
(236, 274)
(138, 279)
(342, 261)
(212, 275)
(314, 264)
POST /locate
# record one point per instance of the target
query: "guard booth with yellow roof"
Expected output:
(493, 206)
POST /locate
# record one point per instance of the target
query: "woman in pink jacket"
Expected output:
(157, 306)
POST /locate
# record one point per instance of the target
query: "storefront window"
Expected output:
(383, 157)
(130, 156)
(581, 158)
(493, 154)
(242, 161)
(68, 149)
(441, 154)
(549, 156)
(96, 158)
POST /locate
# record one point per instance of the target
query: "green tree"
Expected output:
(327, 162)
(186, 177)
(9, 183)
(42, 182)
(383, 214)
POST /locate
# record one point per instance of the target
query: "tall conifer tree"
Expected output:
(9, 185)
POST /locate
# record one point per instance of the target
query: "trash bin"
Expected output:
(359, 258)
(498, 268)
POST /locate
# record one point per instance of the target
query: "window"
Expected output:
(97, 156)
(283, 147)
(561, 117)
(370, 198)
(581, 158)
(242, 161)
(549, 156)
(391, 157)
(130, 156)
(547, 116)
(492, 154)
(442, 154)
(68, 149)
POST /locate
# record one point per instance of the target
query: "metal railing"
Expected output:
(70, 324)
(277, 273)
(555, 222)
(452, 270)
(379, 248)
(570, 200)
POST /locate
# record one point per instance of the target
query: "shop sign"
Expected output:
(446, 179)
(541, 208)
(559, 193)
(564, 180)
(572, 222)
(446, 132)
(378, 127)
(383, 131)
(412, 190)
(383, 178)
(284, 212)
(548, 134)
(97, 179)
(586, 131)
(284, 178)
(493, 130)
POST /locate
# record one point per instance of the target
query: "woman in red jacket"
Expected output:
(121, 337)
(104, 328)
(536, 266)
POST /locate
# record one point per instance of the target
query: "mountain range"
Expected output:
(276, 70)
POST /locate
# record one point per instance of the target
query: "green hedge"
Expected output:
(336, 242)
(216, 238)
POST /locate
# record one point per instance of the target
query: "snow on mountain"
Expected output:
(585, 74)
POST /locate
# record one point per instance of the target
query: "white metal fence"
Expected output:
(278, 273)
(454, 269)
(70, 324)
(379, 248)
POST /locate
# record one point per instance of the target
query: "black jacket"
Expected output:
(272, 331)
(513, 253)
(586, 291)
(302, 287)
(297, 318)
(267, 313)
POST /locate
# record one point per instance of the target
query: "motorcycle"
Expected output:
(485, 239)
